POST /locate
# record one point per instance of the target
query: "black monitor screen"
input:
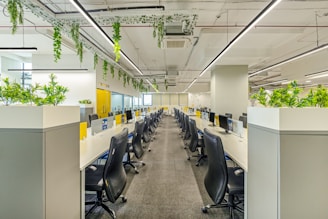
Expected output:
(128, 115)
(212, 117)
(223, 120)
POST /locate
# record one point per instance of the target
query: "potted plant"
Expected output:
(55, 93)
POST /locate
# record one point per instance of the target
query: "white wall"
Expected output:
(81, 85)
(198, 100)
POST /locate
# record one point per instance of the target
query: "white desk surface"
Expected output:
(235, 146)
(95, 145)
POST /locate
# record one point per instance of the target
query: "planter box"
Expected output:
(39, 162)
(287, 162)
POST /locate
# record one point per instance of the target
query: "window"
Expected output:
(147, 100)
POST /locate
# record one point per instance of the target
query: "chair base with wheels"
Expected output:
(128, 161)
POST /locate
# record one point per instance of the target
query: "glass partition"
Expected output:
(117, 103)
(127, 102)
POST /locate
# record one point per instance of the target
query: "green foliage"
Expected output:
(10, 92)
(128, 78)
(57, 40)
(116, 39)
(28, 95)
(159, 28)
(55, 93)
(16, 12)
(95, 60)
(261, 96)
(120, 73)
(75, 34)
(166, 84)
(105, 69)
(289, 97)
(134, 84)
(155, 85)
(112, 70)
(85, 101)
(124, 79)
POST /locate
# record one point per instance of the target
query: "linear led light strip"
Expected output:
(261, 15)
(319, 74)
(80, 8)
(302, 55)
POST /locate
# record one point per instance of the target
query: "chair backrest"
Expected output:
(229, 115)
(146, 135)
(136, 141)
(216, 178)
(114, 175)
(194, 135)
(186, 120)
(244, 120)
(93, 117)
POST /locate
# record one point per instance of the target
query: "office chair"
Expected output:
(110, 114)
(244, 120)
(220, 179)
(93, 117)
(110, 177)
(135, 146)
(187, 130)
(229, 115)
(196, 143)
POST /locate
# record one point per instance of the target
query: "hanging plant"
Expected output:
(57, 40)
(160, 32)
(128, 78)
(16, 12)
(124, 79)
(134, 83)
(112, 70)
(120, 73)
(141, 86)
(75, 34)
(95, 60)
(116, 39)
(166, 84)
(105, 69)
(154, 30)
(155, 85)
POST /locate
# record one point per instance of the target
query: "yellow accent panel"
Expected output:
(198, 113)
(83, 130)
(118, 119)
(103, 103)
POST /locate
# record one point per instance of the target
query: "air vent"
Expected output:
(176, 43)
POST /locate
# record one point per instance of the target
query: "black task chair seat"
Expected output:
(221, 180)
(110, 177)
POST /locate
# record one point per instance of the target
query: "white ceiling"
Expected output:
(293, 27)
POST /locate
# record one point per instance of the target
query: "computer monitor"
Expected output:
(128, 115)
(223, 120)
(212, 118)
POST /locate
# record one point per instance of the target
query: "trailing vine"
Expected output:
(166, 84)
(134, 83)
(105, 69)
(95, 60)
(16, 12)
(75, 33)
(128, 78)
(124, 79)
(116, 39)
(159, 27)
(120, 73)
(155, 85)
(57, 40)
(112, 70)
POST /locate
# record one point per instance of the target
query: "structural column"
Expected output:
(229, 89)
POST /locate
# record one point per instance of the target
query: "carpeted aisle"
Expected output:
(166, 186)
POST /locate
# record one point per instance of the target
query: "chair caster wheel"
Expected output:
(188, 158)
(136, 171)
(197, 164)
(143, 164)
(204, 210)
(124, 199)
(149, 150)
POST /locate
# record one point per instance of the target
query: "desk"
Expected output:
(234, 146)
(93, 147)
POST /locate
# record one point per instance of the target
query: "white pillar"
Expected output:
(229, 89)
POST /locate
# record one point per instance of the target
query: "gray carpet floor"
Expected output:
(168, 186)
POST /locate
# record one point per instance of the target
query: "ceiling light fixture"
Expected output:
(261, 15)
(284, 81)
(18, 49)
(319, 74)
(299, 56)
(87, 16)
(48, 69)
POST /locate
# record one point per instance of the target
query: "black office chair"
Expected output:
(244, 120)
(93, 117)
(220, 179)
(196, 143)
(135, 146)
(110, 114)
(110, 177)
(229, 115)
